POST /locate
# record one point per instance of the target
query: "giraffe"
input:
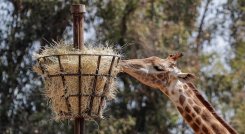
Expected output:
(164, 75)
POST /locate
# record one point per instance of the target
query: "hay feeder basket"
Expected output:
(69, 99)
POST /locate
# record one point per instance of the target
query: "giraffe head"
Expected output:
(164, 74)
(155, 72)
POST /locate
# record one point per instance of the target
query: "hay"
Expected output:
(55, 89)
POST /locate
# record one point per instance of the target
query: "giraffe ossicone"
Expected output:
(166, 76)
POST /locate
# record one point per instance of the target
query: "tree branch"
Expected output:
(200, 30)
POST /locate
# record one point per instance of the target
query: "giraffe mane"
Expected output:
(210, 108)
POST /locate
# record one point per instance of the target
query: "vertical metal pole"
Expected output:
(78, 11)
(79, 126)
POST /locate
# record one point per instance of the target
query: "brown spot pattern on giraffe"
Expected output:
(181, 99)
(180, 109)
(206, 116)
(191, 85)
(193, 115)
(195, 127)
(187, 109)
(197, 109)
(198, 120)
(216, 129)
(205, 130)
(188, 118)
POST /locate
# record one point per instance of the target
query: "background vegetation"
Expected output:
(210, 33)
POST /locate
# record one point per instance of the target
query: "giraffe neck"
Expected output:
(196, 111)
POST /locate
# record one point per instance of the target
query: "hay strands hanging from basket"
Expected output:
(78, 82)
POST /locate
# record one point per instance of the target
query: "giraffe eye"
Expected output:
(158, 68)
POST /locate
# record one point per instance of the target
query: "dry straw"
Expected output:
(59, 64)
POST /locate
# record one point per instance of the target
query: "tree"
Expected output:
(23, 108)
(237, 10)
(140, 28)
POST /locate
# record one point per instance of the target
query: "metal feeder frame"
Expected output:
(78, 11)
(80, 74)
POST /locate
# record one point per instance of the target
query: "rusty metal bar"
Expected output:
(78, 11)
(76, 74)
(41, 66)
(107, 84)
(79, 85)
(64, 85)
(109, 55)
(94, 84)
(87, 95)
(118, 59)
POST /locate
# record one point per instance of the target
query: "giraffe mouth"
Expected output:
(123, 65)
(126, 64)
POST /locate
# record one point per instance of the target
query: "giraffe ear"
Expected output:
(187, 77)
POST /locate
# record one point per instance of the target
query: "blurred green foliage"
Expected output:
(141, 28)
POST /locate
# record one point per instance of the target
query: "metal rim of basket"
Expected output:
(79, 74)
